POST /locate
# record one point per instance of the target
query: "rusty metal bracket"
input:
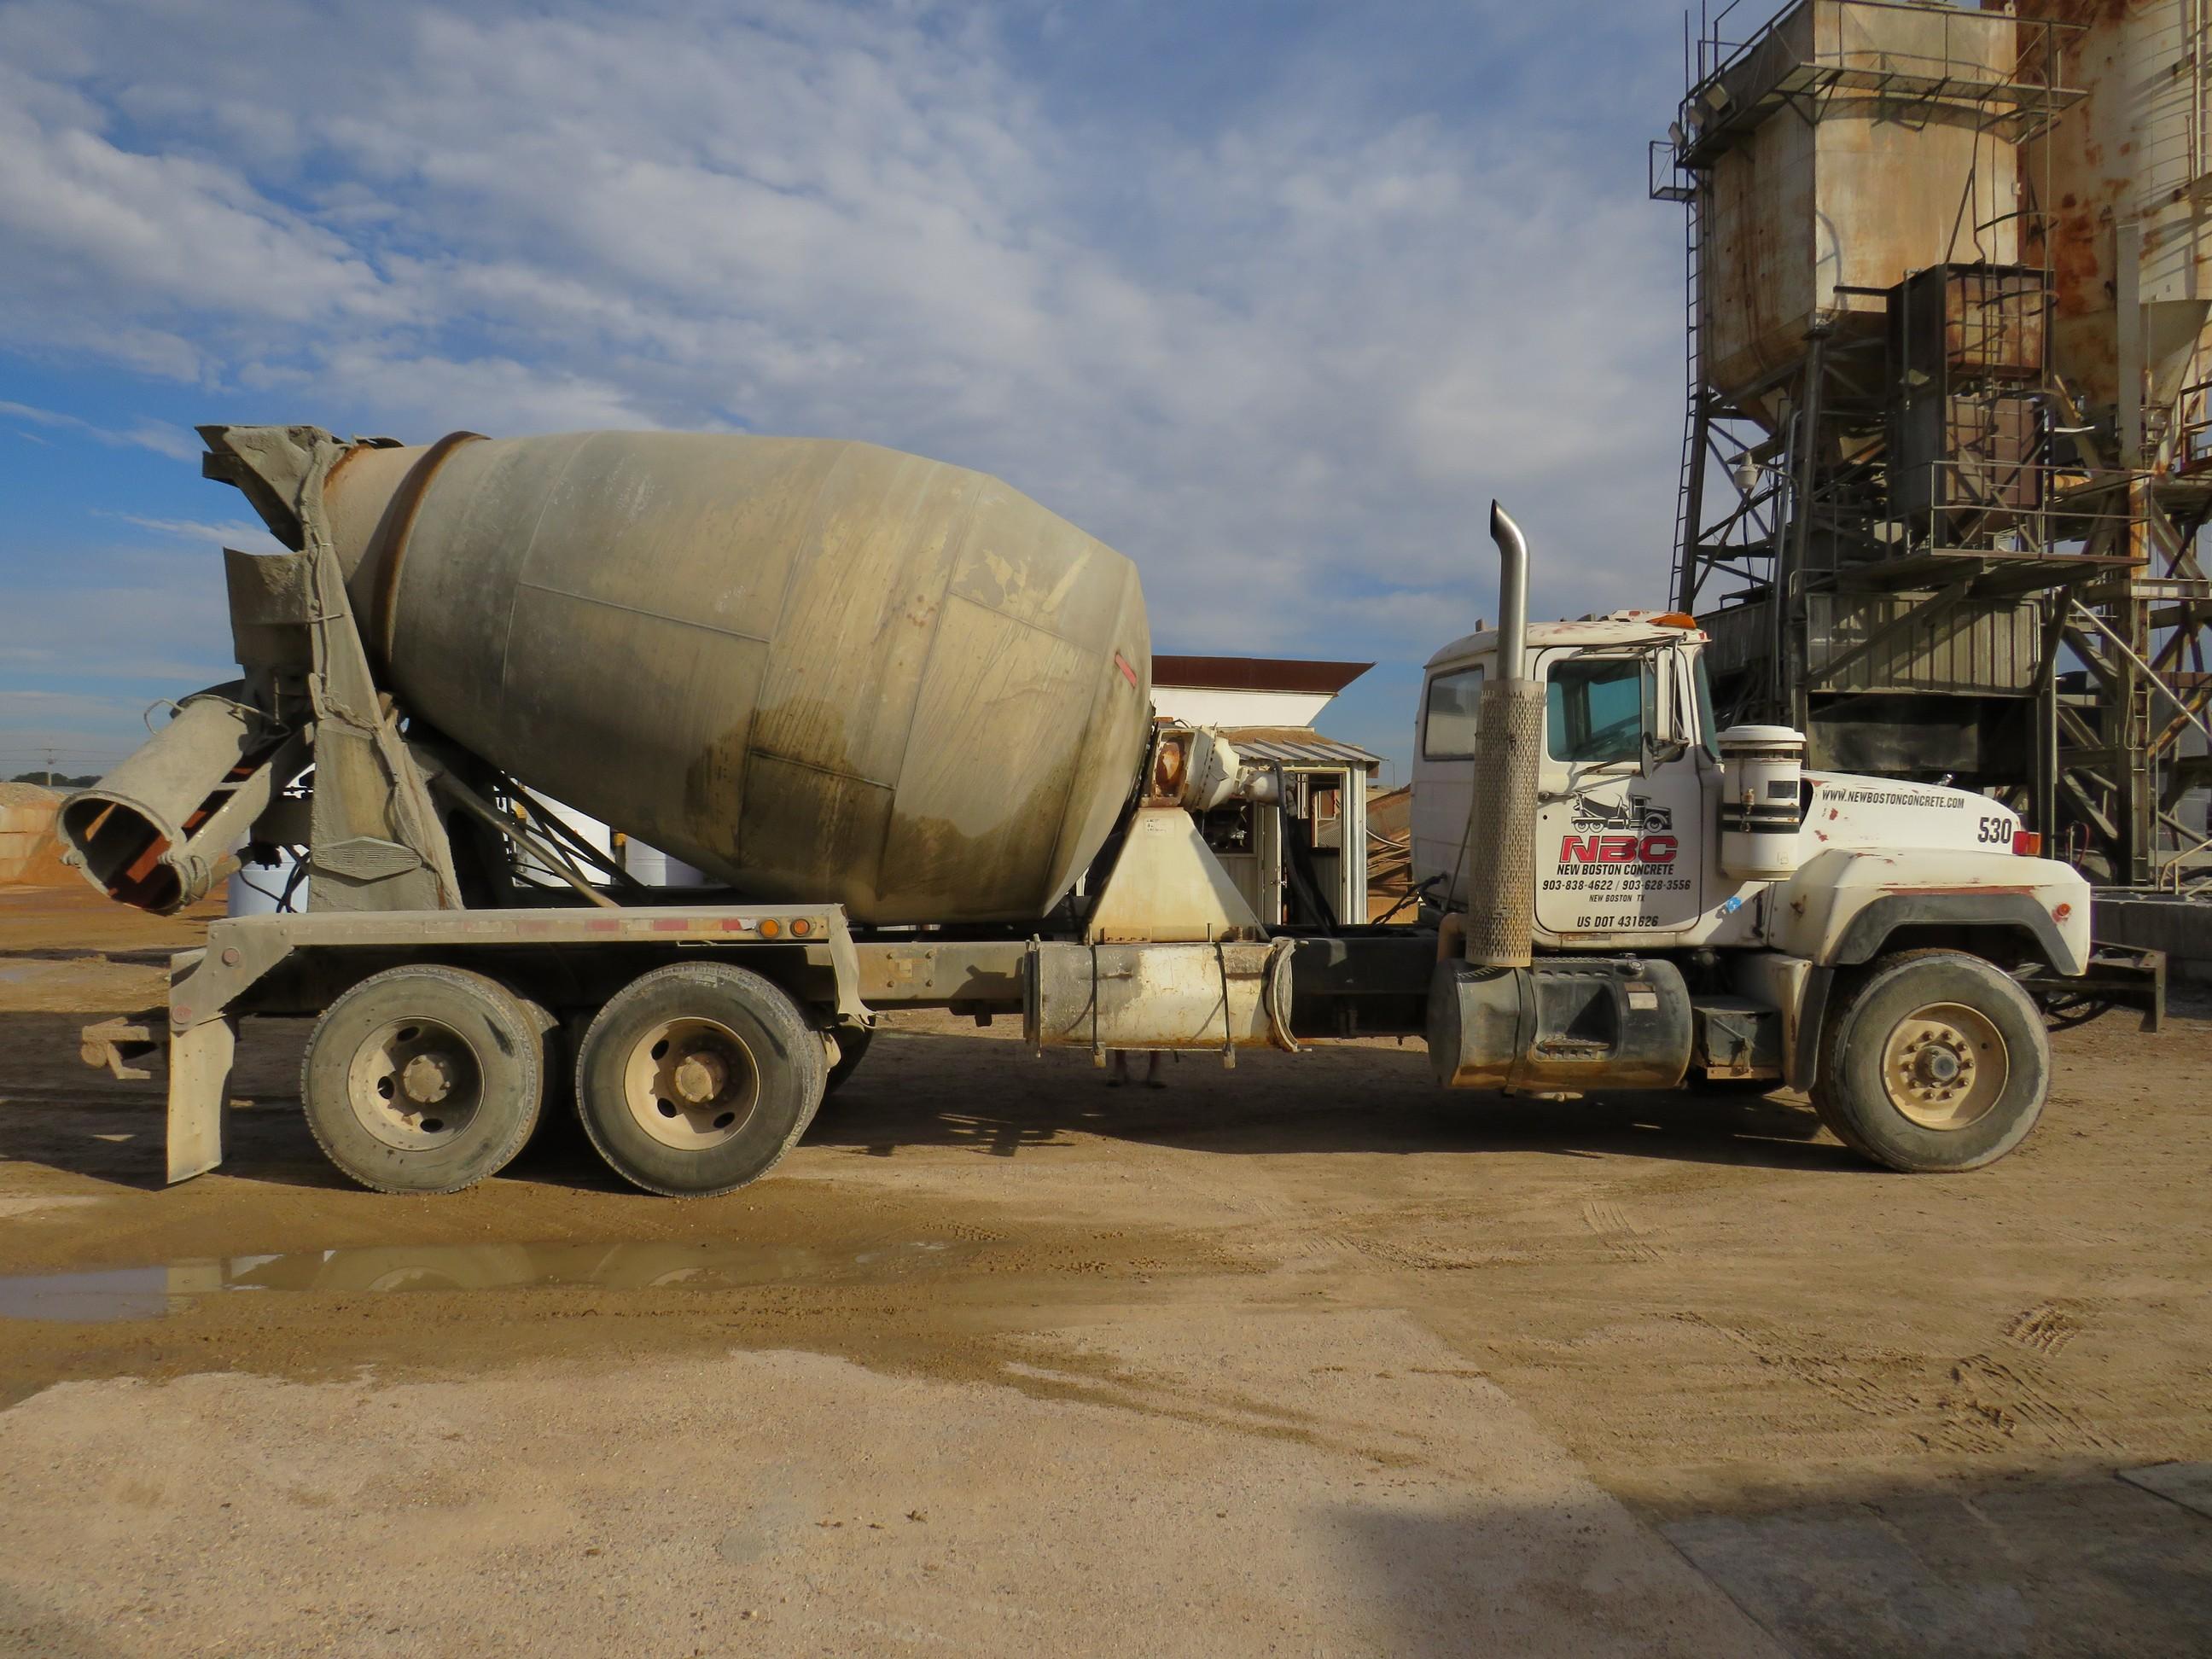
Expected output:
(1228, 1025)
(113, 1043)
(1032, 997)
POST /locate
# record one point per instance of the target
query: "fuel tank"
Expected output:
(816, 670)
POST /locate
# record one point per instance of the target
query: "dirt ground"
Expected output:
(1303, 1357)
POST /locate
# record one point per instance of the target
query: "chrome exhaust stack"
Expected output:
(1501, 824)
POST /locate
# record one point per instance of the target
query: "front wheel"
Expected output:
(1934, 1061)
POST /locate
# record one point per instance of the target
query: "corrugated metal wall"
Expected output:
(1983, 646)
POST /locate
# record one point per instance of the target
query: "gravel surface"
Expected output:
(1300, 1357)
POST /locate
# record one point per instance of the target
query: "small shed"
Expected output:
(1304, 863)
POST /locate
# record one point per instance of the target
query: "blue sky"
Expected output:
(1272, 297)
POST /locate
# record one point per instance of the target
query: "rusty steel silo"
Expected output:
(2128, 171)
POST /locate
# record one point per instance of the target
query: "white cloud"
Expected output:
(227, 532)
(156, 435)
(1281, 356)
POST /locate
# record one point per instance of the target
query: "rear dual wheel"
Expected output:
(697, 1078)
(424, 1078)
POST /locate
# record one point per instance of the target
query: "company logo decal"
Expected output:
(1638, 832)
(1634, 812)
(1618, 849)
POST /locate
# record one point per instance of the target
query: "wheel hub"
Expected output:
(1945, 1066)
(1938, 1063)
(701, 1077)
(415, 1084)
(427, 1079)
(690, 1084)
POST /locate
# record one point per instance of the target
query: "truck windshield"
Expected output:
(1596, 710)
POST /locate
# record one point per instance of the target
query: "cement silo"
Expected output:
(1820, 195)
(1945, 320)
(2128, 171)
(1852, 181)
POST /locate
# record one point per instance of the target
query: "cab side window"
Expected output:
(1597, 710)
(1449, 715)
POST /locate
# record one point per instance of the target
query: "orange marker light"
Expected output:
(2028, 843)
(768, 927)
(801, 927)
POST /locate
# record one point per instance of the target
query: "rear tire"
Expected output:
(696, 1079)
(1934, 1061)
(424, 1078)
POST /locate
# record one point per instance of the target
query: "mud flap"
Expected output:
(199, 1082)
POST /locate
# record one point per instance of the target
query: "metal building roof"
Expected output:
(1255, 673)
(1298, 745)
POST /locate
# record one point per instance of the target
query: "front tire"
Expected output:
(696, 1079)
(1934, 1061)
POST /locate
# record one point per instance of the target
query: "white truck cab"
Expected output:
(1867, 881)
(1628, 852)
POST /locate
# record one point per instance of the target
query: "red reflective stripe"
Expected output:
(1128, 672)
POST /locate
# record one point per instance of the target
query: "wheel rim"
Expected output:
(1945, 1066)
(415, 1084)
(690, 1084)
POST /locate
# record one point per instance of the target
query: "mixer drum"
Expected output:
(816, 670)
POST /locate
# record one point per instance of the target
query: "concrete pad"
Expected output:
(2021, 1566)
(1302, 1483)
(2189, 1485)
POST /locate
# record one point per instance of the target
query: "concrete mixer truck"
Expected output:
(898, 715)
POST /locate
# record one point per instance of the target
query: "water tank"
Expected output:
(656, 869)
(1762, 801)
(262, 882)
(815, 670)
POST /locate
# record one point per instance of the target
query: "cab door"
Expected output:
(1618, 851)
(1443, 780)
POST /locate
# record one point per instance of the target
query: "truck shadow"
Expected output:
(1877, 1563)
(921, 1090)
(994, 1097)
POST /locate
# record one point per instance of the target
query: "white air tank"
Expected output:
(1762, 801)
(259, 890)
(657, 869)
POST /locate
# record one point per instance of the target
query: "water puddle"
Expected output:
(98, 1295)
